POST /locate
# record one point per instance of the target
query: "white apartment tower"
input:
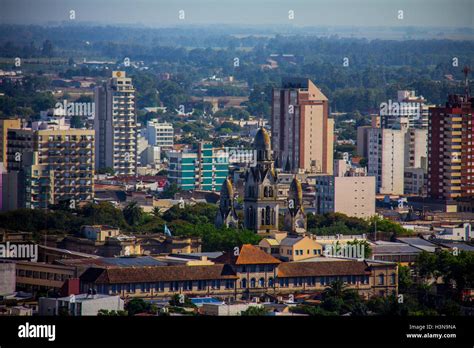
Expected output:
(386, 159)
(115, 124)
(160, 134)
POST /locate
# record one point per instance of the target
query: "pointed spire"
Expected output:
(288, 165)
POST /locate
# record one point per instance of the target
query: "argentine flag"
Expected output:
(167, 231)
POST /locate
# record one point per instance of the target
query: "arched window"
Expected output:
(243, 283)
(262, 217)
(253, 283)
(270, 192)
(393, 278)
(267, 215)
(265, 191)
(261, 282)
(270, 282)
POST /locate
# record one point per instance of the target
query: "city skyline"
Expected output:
(196, 159)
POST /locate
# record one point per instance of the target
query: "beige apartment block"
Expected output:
(54, 163)
(302, 132)
(5, 125)
(386, 159)
(350, 195)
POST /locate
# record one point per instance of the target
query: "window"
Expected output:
(188, 285)
(229, 284)
(243, 283)
(393, 278)
(381, 279)
(253, 283)
(202, 284)
(216, 284)
(261, 282)
(174, 286)
(270, 282)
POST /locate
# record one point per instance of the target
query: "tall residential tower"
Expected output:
(451, 149)
(115, 125)
(302, 132)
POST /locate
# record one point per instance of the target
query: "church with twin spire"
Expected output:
(261, 199)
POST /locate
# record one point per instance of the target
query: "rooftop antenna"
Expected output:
(466, 72)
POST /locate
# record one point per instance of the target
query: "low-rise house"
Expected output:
(291, 248)
(99, 232)
(420, 243)
(118, 245)
(80, 305)
(222, 309)
(402, 253)
(458, 233)
(34, 276)
(299, 248)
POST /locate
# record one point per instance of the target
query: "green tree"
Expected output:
(137, 305)
(103, 213)
(254, 311)
(156, 212)
(133, 214)
(170, 191)
(364, 244)
(180, 300)
(337, 289)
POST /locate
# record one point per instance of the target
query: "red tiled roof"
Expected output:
(115, 275)
(326, 268)
(248, 255)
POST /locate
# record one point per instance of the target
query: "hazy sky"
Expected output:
(159, 13)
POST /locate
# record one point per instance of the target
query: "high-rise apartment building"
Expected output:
(416, 148)
(182, 169)
(160, 134)
(386, 159)
(204, 170)
(54, 163)
(350, 195)
(362, 135)
(213, 167)
(408, 108)
(451, 149)
(115, 124)
(302, 132)
(6, 124)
